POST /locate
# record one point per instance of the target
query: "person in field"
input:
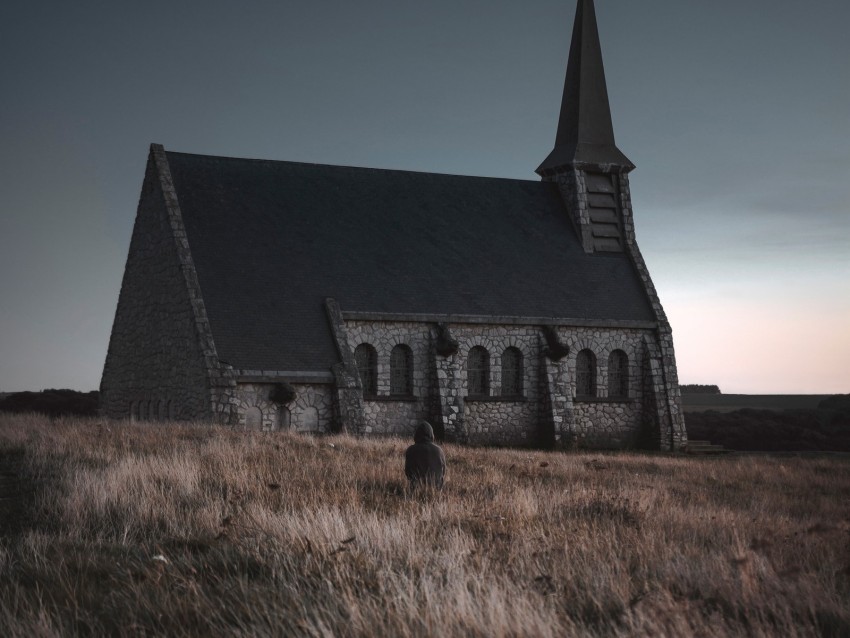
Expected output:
(424, 461)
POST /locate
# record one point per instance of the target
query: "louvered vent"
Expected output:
(602, 206)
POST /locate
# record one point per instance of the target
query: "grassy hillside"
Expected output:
(731, 402)
(177, 530)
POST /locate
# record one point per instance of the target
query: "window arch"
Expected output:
(478, 371)
(401, 370)
(367, 366)
(586, 374)
(618, 375)
(512, 372)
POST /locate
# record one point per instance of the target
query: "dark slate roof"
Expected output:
(271, 240)
(585, 132)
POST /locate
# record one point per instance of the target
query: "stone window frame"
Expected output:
(515, 373)
(629, 344)
(478, 372)
(401, 371)
(586, 386)
(618, 374)
(369, 381)
(309, 397)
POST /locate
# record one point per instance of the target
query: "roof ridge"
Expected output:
(343, 166)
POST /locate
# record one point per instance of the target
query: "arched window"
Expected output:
(132, 416)
(618, 375)
(254, 418)
(586, 374)
(138, 412)
(401, 371)
(478, 371)
(143, 410)
(512, 372)
(161, 413)
(367, 366)
(171, 411)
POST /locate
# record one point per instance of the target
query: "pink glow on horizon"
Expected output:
(758, 346)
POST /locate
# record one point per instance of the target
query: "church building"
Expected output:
(277, 295)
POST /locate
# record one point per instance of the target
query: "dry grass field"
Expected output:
(190, 530)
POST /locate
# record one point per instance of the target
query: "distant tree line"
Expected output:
(825, 429)
(52, 402)
(696, 388)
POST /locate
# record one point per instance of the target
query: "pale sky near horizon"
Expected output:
(736, 113)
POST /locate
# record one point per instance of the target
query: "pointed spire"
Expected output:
(585, 133)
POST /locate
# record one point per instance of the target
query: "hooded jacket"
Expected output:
(424, 461)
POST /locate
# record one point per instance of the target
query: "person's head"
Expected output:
(424, 433)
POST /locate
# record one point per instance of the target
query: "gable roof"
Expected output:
(271, 240)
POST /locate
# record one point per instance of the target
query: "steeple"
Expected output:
(585, 136)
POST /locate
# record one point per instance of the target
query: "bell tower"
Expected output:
(593, 177)
(586, 163)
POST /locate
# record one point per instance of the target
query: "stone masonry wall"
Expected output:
(599, 421)
(671, 433)
(386, 415)
(515, 423)
(603, 421)
(311, 411)
(155, 366)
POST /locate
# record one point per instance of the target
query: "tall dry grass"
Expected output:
(192, 530)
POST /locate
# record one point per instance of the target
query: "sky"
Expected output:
(736, 113)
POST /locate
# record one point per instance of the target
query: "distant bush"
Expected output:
(826, 429)
(838, 402)
(695, 388)
(52, 402)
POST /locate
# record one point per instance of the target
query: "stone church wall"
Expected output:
(155, 366)
(310, 412)
(494, 419)
(607, 424)
(385, 414)
(603, 421)
(515, 423)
